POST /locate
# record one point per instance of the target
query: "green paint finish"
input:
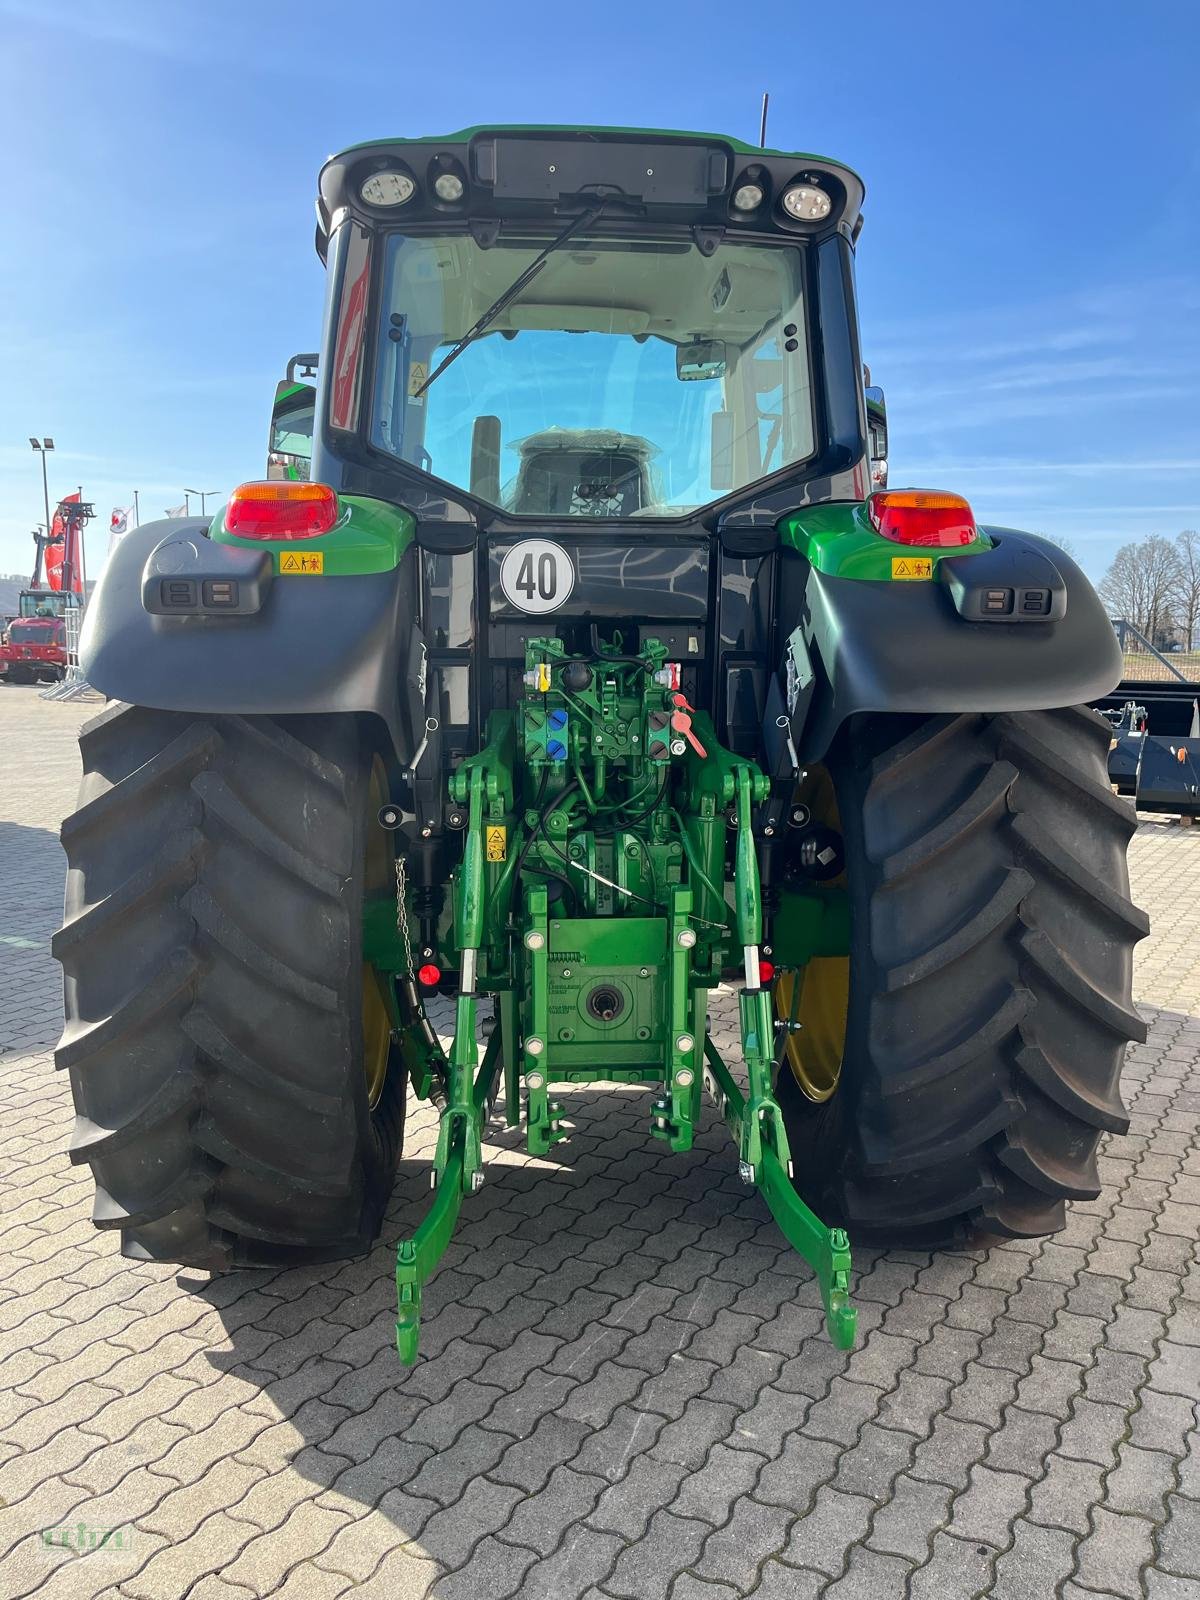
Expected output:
(383, 946)
(370, 536)
(815, 923)
(593, 1074)
(465, 135)
(417, 1258)
(608, 942)
(840, 539)
(618, 964)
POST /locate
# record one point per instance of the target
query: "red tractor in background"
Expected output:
(33, 646)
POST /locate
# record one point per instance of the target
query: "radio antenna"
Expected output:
(762, 125)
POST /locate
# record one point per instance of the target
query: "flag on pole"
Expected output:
(118, 526)
(175, 511)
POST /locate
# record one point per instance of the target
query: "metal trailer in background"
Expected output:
(1155, 756)
(1155, 713)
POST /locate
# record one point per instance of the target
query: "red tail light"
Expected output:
(923, 516)
(279, 509)
(766, 971)
(429, 976)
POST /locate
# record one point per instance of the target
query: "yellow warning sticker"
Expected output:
(497, 842)
(418, 374)
(309, 561)
(912, 566)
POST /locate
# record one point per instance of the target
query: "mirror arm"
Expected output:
(309, 363)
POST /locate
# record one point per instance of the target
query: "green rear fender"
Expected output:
(369, 536)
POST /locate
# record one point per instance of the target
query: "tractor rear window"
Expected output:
(629, 378)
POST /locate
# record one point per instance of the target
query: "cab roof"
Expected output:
(465, 135)
(532, 170)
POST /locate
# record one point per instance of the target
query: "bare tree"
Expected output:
(1187, 585)
(1067, 545)
(1142, 583)
(1122, 588)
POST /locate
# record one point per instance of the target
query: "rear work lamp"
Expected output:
(280, 509)
(923, 517)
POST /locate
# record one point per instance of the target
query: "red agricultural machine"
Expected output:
(34, 649)
(34, 645)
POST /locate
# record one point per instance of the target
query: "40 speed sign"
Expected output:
(536, 575)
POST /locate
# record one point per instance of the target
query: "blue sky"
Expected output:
(1029, 275)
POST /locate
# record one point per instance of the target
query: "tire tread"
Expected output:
(211, 878)
(990, 1001)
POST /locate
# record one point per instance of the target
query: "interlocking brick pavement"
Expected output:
(624, 1392)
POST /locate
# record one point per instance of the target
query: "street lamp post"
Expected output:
(202, 495)
(43, 447)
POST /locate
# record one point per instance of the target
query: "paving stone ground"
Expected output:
(624, 1390)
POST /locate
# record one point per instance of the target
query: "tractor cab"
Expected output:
(570, 472)
(528, 319)
(289, 447)
(41, 603)
(618, 345)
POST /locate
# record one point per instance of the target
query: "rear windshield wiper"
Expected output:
(504, 300)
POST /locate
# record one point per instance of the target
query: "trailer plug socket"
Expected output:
(820, 854)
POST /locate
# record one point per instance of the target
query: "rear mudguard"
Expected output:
(905, 646)
(319, 644)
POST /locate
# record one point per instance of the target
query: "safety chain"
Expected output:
(402, 916)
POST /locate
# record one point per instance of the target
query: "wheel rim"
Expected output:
(377, 1036)
(378, 877)
(815, 999)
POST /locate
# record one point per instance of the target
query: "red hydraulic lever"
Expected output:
(682, 723)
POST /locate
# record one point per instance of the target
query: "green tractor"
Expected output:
(582, 671)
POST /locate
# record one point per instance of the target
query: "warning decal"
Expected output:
(309, 562)
(418, 374)
(912, 566)
(497, 842)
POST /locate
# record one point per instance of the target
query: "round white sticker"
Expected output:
(536, 575)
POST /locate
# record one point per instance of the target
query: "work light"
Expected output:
(388, 188)
(806, 202)
(448, 186)
(747, 196)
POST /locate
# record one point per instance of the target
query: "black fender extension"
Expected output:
(317, 644)
(915, 647)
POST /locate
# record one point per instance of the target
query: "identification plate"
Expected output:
(912, 567)
(312, 561)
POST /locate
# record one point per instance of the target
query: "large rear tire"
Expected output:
(990, 976)
(214, 988)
